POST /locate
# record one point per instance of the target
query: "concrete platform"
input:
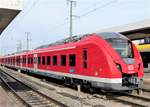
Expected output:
(5, 100)
(147, 78)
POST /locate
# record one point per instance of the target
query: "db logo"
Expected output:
(130, 67)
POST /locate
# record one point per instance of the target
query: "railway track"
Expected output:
(128, 99)
(133, 100)
(146, 90)
(26, 94)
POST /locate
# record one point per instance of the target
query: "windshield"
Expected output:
(120, 43)
(123, 47)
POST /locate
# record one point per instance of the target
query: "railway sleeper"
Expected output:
(39, 103)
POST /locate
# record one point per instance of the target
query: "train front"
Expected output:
(127, 60)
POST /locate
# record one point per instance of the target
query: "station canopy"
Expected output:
(9, 9)
(136, 30)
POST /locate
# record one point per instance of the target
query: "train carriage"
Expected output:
(106, 60)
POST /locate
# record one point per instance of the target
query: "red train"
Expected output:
(106, 60)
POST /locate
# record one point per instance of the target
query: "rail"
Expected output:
(29, 96)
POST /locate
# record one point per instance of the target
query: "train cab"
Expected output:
(129, 62)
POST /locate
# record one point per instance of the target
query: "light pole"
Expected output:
(27, 33)
(19, 46)
(71, 3)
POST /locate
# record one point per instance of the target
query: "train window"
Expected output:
(28, 60)
(63, 60)
(39, 60)
(18, 60)
(84, 58)
(72, 60)
(13, 60)
(25, 60)
(48, 60)
(22, 60)
(84, 64)
(54, 60)
(31, 60)
(85, 54)
(120, 43)
(43, 60)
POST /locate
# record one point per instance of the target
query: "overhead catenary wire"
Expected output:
(66, 21)
(97, 8)
(84, 14)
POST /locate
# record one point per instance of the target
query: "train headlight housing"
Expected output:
(118, 67)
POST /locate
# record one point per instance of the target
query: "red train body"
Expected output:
(107, 60)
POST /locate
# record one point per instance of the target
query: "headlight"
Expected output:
(118, 67)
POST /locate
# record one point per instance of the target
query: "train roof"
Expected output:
(76, 38)
(68, 43)
(108, 35)
(63, 41)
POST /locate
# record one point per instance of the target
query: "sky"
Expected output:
(48, 20)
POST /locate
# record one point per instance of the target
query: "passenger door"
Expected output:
(35, 62)
(84, 61)
(21, 60)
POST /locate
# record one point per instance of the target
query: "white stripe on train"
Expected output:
(88, 78)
